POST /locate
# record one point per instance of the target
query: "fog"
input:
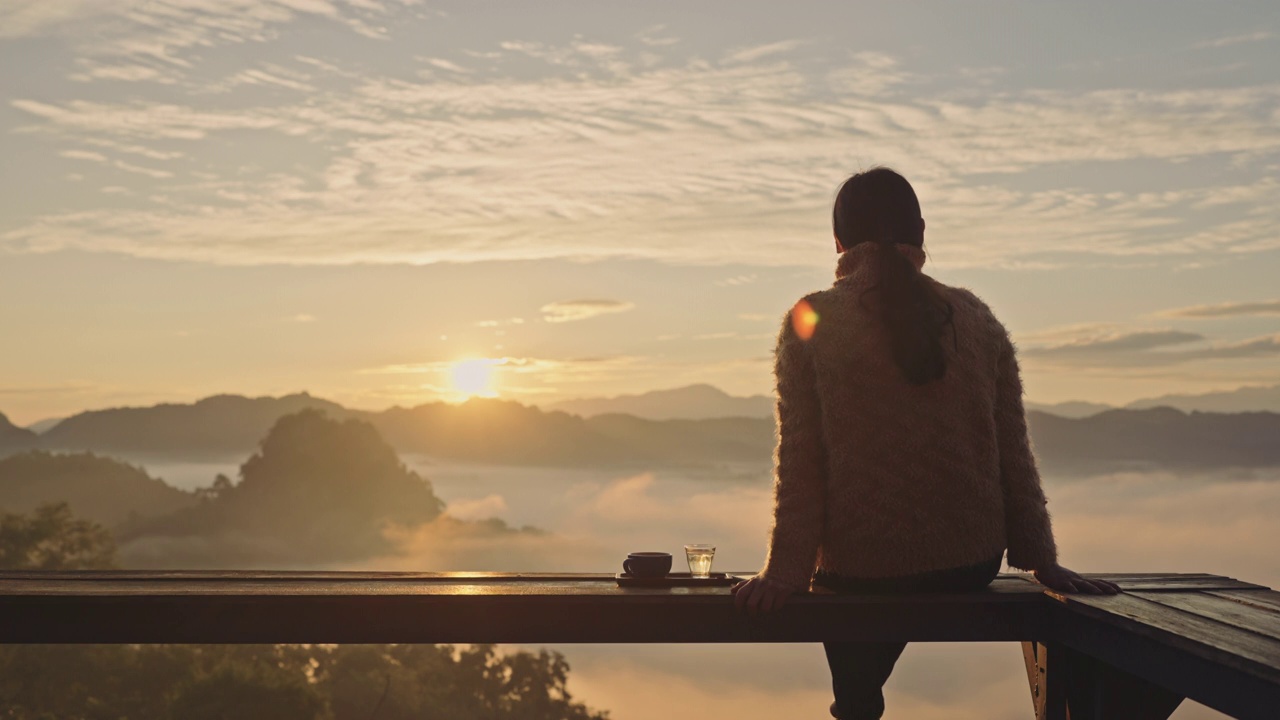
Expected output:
(1222, 523)
(1135, 522)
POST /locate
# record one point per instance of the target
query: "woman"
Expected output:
(903, 462)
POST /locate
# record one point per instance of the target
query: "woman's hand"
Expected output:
(757, 596)
(1056, 577)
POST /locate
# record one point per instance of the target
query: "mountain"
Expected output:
(694, 402)
(317, 490)
(14, 438)
(100, 489)
(43, 426)
(1163, 438)
(214, 427)
(1070, 409)
(508, 433)
(1253, 398)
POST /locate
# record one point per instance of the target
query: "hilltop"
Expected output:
(100, 489)
(508, 433)
(13, 437)
(693, 402)
(213, 427)
(317, 490)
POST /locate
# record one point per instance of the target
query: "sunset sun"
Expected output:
(473, 377)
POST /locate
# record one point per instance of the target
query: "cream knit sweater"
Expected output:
(876, 477)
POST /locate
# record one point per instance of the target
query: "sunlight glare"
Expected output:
(474, 377)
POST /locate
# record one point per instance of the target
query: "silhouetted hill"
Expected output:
(317, 490)
(14, 438)
(43, 426)
(1070, 409)
(213, 427)
(694, 402)
(690, 442)
(100, 489)
(505, 432)
(1156, 438)
(1256, 398)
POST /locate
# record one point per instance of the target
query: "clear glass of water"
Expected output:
(699, 557)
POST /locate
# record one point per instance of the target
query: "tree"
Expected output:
(52, 539)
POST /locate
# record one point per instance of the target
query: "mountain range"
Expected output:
(696, 402)
(693, 402)
(504, 432)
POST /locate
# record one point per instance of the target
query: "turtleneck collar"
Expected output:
(859, 257)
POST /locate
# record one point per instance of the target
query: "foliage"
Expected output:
(252, 682)
(103, 490)
(317, 491)
(52, 539)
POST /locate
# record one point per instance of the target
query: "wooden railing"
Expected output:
(1134, 656)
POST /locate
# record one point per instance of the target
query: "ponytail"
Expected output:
(880, 206)
(914, 314)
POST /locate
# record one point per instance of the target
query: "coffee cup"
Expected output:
(647, 564)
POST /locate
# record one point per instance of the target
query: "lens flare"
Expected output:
(804, 319)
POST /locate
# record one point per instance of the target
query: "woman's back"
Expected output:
(902, 441)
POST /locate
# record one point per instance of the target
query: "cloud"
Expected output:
(1149, 349)
(83, 155)
(489, 506)
(1235, 40)
(1121, 342)
(745, 279)
(574, 310)
(760, 52)
(601, 150)
(1232, 309)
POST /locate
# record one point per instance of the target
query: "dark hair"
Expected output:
(879, 206)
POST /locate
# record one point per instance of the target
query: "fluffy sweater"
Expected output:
(877, 477)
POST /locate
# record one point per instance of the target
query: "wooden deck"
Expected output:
(1136, 655)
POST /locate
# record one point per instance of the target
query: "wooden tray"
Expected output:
(677, 579)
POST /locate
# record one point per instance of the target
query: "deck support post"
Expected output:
(1048, 694)
(1067, 685)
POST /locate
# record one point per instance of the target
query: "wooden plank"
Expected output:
(361, 607)
(1256, 598)
(1048, 691)
(1162, 581)
(1182, 632)
(1221, 686)
(1246, 617)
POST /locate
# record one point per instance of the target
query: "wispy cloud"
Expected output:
(1229, 40)
(1150, 349)
(596, 150)
(1223, 310)
(574, 310)
(1119, 343)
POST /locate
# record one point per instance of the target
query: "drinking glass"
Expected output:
(699, 557)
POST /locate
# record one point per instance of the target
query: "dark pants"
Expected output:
(860, 669)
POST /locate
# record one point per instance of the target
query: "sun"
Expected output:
(474, 377)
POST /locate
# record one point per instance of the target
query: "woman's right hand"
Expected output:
(1056, 577)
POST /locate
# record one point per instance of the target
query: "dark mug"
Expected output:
(647, 564)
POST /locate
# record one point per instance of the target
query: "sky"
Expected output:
(350, 197)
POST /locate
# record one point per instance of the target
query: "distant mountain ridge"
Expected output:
(13, 437)
(215, 426)
(1252, 398)
(692, 402)
(508, 433)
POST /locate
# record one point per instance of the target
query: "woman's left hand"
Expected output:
(757, 596)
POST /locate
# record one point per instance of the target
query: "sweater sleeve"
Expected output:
(1029, 533)
(800, 466)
